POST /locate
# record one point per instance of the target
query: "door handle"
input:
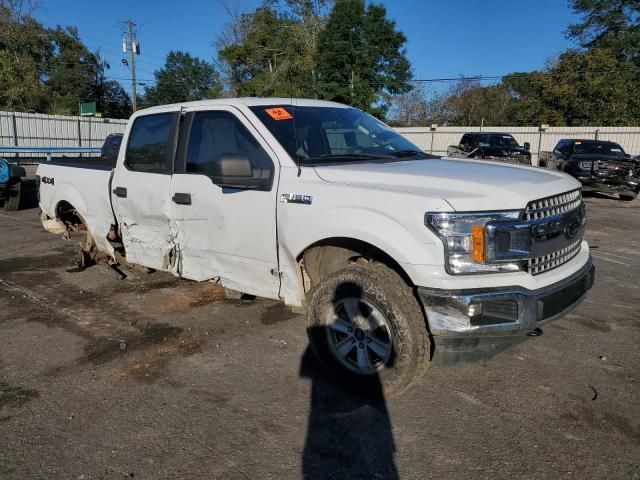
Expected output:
(182, 198)
(120, 192)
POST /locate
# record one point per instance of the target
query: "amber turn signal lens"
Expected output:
(477, 244)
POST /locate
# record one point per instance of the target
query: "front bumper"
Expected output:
(606, 185)
(469, 325)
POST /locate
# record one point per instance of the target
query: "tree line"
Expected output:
(343, 50)
(50, 70)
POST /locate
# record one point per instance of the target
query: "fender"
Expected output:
(393, 236)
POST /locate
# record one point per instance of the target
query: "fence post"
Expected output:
(14, 125)
(539, 145)
(79, 134)
(597, 133)
(433, 133)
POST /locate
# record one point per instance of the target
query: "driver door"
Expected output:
(221, 232)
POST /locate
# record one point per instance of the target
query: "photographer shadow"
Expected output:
(349, 433)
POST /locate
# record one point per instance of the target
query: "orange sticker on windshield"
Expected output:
(278, 113)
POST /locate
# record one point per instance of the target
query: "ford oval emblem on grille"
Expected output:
(572, 230)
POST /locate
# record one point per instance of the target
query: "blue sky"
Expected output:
(446, 38)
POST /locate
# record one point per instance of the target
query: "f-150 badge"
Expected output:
(296, 198)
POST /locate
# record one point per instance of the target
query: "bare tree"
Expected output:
(20, 9)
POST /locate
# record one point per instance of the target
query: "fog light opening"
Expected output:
(536, 332)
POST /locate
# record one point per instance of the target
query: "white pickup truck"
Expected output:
(399, 258)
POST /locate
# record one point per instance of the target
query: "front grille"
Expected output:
(554, 205)
(544, 263)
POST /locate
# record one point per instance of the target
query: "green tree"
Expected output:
(72, 73)
(361, 58)
(183, 78)
(589, 87)
(112, 100)
(610, 24)
(271, 51)
(51, 70)
(24, 52)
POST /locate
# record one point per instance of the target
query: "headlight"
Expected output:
(476, 243)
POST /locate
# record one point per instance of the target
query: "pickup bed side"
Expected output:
(78, 189)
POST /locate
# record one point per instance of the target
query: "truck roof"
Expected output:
(488, 133)
(586, 140)
(250, 102)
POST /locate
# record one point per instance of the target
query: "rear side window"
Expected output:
(216, 135)
(151, 144)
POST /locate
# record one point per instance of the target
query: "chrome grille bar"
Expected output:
(552, 260)
(543, 208)
(554, 205)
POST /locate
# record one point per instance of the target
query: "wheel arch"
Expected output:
(349, 250)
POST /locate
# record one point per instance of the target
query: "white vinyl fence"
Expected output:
(437, 140)
(37, 130)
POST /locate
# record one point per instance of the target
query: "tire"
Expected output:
(12, 202)
(627, 196)
(389, 343)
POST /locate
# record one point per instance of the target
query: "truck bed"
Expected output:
(85, 188)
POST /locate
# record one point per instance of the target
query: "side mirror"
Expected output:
(235, 171)
(527, 146)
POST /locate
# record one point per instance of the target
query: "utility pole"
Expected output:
(134, 49)
(132, 52)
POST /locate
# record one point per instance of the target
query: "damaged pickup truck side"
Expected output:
(399, 258)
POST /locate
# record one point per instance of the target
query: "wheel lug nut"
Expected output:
(361, 345)
(353, 340)
(350, 329)
(368, 340)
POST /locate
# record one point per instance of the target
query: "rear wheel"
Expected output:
(367, 329)
(12, 202)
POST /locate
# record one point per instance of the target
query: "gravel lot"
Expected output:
(155, 377)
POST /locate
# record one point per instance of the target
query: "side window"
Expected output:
(465, 141)
(565, 148)
(216, 135)
(559, 146)
(150, 145)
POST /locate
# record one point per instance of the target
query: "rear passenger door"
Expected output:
(224, 232)
(141, 188)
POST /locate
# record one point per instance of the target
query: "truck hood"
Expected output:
(467, 185)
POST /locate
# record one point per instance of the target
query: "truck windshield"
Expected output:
(497, 140)
(316, 135)
(598, 148)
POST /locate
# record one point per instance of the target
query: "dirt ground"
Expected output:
(154, 377)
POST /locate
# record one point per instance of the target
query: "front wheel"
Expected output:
(367, 329)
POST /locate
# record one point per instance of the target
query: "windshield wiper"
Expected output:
(349, 155)
(346, 157)
(409, 153)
